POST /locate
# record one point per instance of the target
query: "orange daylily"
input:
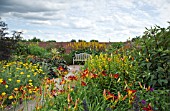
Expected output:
(83, 83)
(116, 76)
(130, 91)
(72, 78)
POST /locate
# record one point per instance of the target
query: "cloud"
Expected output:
(85, 19)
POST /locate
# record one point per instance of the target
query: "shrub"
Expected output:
(152, 52)
(68, 58)
(36, 50)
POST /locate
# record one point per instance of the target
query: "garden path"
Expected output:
(32, 104)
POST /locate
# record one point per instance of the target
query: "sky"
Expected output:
(102, 20)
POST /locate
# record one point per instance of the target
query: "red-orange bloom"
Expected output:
(107, 95)
(130, 91)
(93, 75)
(104, 73)
(60, 68)
(116, 76)
(4, 82)
(149, 108)
(72, 78)
(83, 83)
(62, 81)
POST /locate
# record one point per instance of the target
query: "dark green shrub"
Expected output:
(68, 58)
(7, 44)
(152, 52)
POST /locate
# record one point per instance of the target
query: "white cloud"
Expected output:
(64, 20)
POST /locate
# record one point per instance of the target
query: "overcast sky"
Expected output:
(63, 20)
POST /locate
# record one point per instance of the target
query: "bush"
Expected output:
(152, 52)
(68, 58)
(36, 50)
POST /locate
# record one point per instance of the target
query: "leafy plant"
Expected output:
(152, 52)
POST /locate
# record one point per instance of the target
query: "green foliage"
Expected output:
(114, 47)
(68, 58)
(81, 40)
(152, 52)
(22, 49)
(34, 39)
(94, 41)
(73, 40)
(51, 41)
(34, 49)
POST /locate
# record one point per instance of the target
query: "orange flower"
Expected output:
(116, 76)
(104, 73)
(130, 92)
(93, 75)
(62, 81)
(69, 99)
(83, 83)
(4, 82)
(109, 59)
(72, 78)
(149, 108)
(60, 68)
(107, 95)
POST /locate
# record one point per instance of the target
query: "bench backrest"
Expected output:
(82, 56)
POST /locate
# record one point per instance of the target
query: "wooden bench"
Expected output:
(81, 57)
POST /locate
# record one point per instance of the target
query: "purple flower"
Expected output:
(151, 89)
(143, 102)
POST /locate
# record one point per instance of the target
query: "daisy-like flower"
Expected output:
(18, 81)
(10, 97)
(9, 79)
(3, 94)
(1, 80)
(21, 73)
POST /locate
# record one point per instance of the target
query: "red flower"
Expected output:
(104, 73)
(130, 91)
(149, 108)
(4, 82)
(62, 81)
(116, 76)
(107, 95)
(83, 83)
(94, 75)
(60, 68)
(72, 78)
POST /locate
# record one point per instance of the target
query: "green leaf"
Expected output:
(148, 65)
(159, 81)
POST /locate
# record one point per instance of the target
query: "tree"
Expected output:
(51, 41)
(94, 40)
(7, 44)
(73, 40)
(81, 40)
(34, 40)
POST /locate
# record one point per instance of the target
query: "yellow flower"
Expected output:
(28, 76)
(16, 89)
(10, 97)
(30, 84)
(9, 79)
(6, 86)
(3, 94)
(18, 81)
(1, 80)
(21, 72)
(30, 80)
(30, 92)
